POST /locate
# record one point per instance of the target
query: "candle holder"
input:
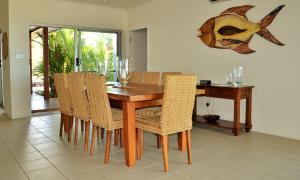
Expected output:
(123, 73)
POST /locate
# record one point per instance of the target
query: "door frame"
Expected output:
(148, 46)
(1, 74)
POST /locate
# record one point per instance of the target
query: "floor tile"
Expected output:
(35, 165)
(28, 157)
(45, 174)
(32, 148)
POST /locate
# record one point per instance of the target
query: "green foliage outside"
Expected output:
(93, 58)
(62, 56)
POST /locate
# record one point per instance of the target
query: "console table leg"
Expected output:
(195, 108)
(236, 123)
(248, 123)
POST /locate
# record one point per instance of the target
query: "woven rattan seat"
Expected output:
(153, 111)
(176, 113)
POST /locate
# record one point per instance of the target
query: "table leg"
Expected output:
(129, 133)
(236, 123)
(182, 141)
(248, 123)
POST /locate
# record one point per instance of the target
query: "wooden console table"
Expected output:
(236, 93)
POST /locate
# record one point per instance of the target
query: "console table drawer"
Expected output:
(220, 93)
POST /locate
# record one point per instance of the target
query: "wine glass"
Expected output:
(103, 67)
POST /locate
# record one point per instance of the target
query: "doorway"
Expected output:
(1, 75)
(63, 50)
(138, 49)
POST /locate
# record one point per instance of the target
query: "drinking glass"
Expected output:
(238, 75)
(229, 78)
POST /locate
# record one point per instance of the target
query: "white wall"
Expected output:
(173, 46)
(47, 12)
(4, 26)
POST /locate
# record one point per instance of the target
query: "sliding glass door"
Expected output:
(97, 51)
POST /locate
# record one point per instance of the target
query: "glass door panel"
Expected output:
(97, 51)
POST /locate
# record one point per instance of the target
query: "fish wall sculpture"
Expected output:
(233, 30)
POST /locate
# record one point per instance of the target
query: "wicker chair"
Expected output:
(164, 74)
(64, 100)
(175, 115)
(81, 109)
(101, 113)
(147, 78)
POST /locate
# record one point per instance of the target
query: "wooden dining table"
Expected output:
(130, 98)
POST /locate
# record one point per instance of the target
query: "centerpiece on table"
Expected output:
(123, 72)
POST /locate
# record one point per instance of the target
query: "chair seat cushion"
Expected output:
(117, 114)
(153, 111)
(117, 122)
(149, 119)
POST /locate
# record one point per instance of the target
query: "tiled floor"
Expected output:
(39, 104)
(31, 149)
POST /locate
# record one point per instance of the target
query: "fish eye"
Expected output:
(230, 30)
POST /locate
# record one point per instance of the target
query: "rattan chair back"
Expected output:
(146, 78)
(101, 112)
(164, 74)
(78, 96)
(178, 103)
(61, 87)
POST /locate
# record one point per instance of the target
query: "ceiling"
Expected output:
(115, 3)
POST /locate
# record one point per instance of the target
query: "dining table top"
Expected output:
(137, 92)
(134, 92)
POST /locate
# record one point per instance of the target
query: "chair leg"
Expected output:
(189, 146)
(82, 125)
(107, 146)
(98, 132)
(70, 118)
(142, 142)
(87, 133)
(76, 131)
(165, 152)
(102, 133)
(93, 140)
(121, 138)
(158, 141)
(116, 137)
(66, 123)
(61, 124)
(138, 144)
(181, 138)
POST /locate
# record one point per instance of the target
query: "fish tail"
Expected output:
(265, 22)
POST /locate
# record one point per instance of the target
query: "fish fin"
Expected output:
(239, 10)
(244, 49)
(228, 42)
(265, 33)
(248, 40)
(266, 21)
